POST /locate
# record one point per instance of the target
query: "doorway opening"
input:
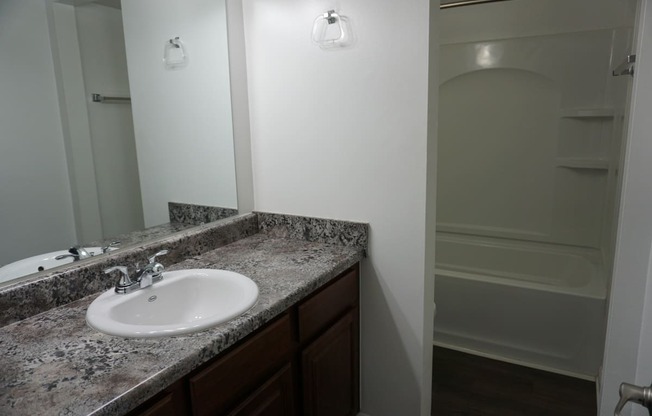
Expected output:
(530, 140)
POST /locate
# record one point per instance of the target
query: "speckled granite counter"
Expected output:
(197, 214)
(54, 364)
(182, 217)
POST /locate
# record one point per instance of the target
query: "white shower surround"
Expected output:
(523, 243)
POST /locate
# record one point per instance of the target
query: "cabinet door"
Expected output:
(163, 407)
(274, 398)
(216, 388)
(324, 308)
(330, 368)
(173, 401)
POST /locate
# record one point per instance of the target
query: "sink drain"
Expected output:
(151, 298)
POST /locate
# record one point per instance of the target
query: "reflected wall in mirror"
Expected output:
(74, 171)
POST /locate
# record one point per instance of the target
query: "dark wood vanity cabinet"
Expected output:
(275, 397)
(305, 362)
(171, 402)
(329, 369)
(216, 388)
(328, 335)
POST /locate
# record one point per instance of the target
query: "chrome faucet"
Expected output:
(125, 284)
(77, 253)
(152, 272)
(145, 277)
(109, 246)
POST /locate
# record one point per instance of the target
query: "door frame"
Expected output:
(628, 342)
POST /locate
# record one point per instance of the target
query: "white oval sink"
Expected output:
(185, 301)
(39, 263)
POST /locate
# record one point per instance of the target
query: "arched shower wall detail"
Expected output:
(498, 170)
(525, 74)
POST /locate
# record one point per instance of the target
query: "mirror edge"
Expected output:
(240, 106)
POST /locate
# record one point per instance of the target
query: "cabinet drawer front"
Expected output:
(215, 388)
(324, 308)
(164, 407)
(173, 401)
(275, 397)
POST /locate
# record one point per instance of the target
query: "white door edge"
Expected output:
(628, 346)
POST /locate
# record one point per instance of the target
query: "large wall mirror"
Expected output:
(77, 172)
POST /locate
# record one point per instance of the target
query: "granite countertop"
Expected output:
(54, 364)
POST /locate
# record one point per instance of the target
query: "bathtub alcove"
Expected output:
(527, 157)
(533, 304)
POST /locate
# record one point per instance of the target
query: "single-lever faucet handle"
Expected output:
(80, 252)
(160, 253)
(633, 393)
(106, 248)
(76, 252)
(152, 272)
(124, 281)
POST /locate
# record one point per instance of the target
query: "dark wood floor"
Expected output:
(466, 384)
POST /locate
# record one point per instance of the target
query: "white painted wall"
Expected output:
(104, 63)
(342, 134)
(35, 199)
(182, 118)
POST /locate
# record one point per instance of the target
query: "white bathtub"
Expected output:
(534, 304)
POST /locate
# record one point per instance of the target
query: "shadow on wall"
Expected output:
(388, 320)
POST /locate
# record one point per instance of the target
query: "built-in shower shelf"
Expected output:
(583, 163)
(587, 113)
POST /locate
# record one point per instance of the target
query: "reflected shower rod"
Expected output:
(99, 98)
(450, 4)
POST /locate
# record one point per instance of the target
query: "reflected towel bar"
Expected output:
(99, 98)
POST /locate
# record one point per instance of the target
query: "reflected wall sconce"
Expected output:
(175, 55)
(331, 30)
